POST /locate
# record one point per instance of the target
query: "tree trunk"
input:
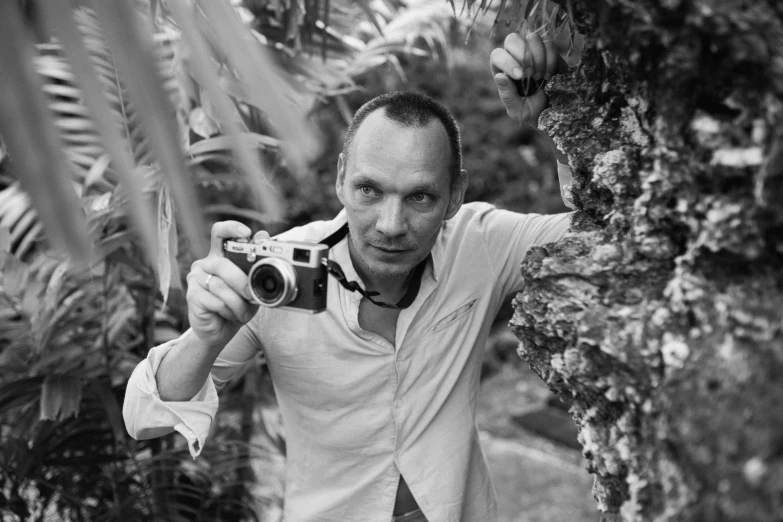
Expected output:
(659, 316)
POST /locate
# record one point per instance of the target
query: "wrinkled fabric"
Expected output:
(190, 418)
(359, 411)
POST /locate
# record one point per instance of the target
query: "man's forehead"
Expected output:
(379, 134)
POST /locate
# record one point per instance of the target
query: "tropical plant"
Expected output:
(72, 330)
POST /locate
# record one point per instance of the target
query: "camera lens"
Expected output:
(268, 282)
(273, 282)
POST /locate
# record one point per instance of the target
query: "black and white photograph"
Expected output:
(391, 261)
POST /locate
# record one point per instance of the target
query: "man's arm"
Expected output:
(520, 63)
(218, 306)
(147, 416)
(184, 369)
(172, 388)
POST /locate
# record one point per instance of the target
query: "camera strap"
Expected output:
(336, 270)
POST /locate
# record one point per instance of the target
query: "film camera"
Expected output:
(284, 274)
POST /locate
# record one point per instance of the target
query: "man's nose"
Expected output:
(391, 221)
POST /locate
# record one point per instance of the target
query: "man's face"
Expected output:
(397, 191)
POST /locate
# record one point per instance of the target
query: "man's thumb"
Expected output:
(507, 92)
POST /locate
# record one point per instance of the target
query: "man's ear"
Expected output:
(340, 181)
(457, 195)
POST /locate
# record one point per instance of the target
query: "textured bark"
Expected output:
(659, 316)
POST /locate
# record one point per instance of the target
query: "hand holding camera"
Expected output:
(239, 274)
(219, 300)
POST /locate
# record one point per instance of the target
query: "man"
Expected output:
(378, 396)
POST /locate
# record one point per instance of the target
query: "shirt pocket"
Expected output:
(461, 313)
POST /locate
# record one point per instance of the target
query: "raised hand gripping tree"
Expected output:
(659, 316)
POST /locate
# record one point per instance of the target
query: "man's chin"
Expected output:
(389, 271)
(386, 264)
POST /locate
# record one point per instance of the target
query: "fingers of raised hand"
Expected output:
(229, 273)
(211, 293)
(223, 230)
(501, 61)
(520, 50)
(211, 303)
(532, 54)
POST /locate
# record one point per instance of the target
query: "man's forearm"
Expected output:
(185, 369)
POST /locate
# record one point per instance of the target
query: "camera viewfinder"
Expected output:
(301, 255)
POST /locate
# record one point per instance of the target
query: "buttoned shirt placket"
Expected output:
(351, 302)
(404, 321)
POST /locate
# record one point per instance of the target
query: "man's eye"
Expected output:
(421, 197)
(366, 190)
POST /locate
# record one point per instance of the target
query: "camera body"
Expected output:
(282, 274)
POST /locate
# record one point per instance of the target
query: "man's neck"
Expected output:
(390, 290)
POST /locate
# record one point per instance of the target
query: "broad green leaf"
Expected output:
(60, 397)
(31, 140)
(130, 46)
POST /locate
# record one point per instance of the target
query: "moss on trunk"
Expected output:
(659, 316)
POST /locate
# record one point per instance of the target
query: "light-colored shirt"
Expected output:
(358, 410)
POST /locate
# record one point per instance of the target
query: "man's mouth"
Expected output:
(391, 251)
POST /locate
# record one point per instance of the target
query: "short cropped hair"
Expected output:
(410, 109)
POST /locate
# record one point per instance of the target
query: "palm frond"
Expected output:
(31, 139)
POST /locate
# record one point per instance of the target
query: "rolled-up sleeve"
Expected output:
(508, 237)
(147, 416)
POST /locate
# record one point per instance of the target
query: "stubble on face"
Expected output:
(386, 271)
